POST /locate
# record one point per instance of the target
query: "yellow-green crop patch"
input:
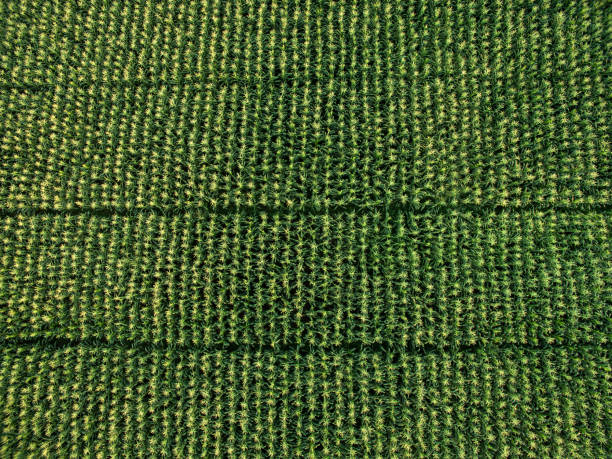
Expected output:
(282, 228)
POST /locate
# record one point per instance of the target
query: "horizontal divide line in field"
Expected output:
(218, 81)
(303, 349)
(390, 208)
(196, 84)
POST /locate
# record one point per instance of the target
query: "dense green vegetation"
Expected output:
(305, 228)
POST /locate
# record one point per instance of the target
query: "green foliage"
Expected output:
(83, 400)
(303, 228)
(447, 280)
